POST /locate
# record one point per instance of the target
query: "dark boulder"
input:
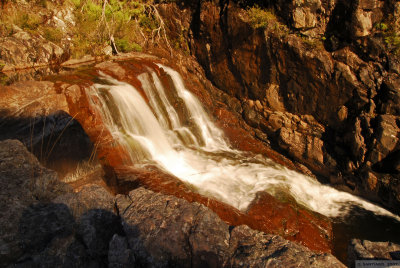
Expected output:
(368, 250)
(91, 196)
(23, 184)
(166, 231)
(43, 222)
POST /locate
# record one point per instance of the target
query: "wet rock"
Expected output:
(249, 246)
(368, 250)
(113, 68)
(164, 230)
(24, 182)
(283, 216)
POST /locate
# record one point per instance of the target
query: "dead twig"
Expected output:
(160, 32)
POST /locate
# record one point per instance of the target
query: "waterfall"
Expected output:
(173, 131)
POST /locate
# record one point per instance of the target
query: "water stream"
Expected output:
(174, 131)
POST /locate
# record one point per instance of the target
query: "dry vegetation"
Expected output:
(96, 24)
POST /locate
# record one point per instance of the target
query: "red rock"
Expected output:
(266, 214)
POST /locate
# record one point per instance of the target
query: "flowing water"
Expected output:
(172, 130)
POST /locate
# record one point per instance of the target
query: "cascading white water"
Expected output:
(196, 152)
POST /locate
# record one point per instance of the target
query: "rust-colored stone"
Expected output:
(266, 214)
(291, 221)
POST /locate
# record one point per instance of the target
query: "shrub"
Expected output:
(260, 18)
(381, 26)
(393, 40)
(28, 21)
(123, 45)
(4, 79)
(6, 29)
(53, 34)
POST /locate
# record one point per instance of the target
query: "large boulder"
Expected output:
(91, 196)
(164, 230)
(23, 184)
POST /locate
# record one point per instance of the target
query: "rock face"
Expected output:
(22, 50)
(367, 250)
(36, 113)
(25, 183)
(329, 116)
(147, 229)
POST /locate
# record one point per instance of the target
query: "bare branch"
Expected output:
(160, 32)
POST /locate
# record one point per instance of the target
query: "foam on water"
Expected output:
(198, 153)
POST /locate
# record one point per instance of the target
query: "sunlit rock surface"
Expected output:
(341, 71)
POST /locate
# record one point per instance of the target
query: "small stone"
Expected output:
(259, 106)
(342, 113)
(251, 103)
(372, 181)
(107, 50)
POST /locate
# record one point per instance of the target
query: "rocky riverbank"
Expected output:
(312, 85)
(46, 223)
(320, 79)
(317, 80)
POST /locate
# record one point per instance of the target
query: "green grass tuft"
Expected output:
(28, 21)
(52, 34)
(260, 18)
(123, 45)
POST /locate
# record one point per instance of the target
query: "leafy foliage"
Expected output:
(125, 45)
(260, 18)
(27, 21)
(266, 19)
(393, 41)
(381, 26)
(97, 24)
(53, 34)
(119, 19)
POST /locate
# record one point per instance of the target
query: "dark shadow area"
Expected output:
(337, 33)
(390, 164)
(49, 236)
(57, 140)
(365, 225)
